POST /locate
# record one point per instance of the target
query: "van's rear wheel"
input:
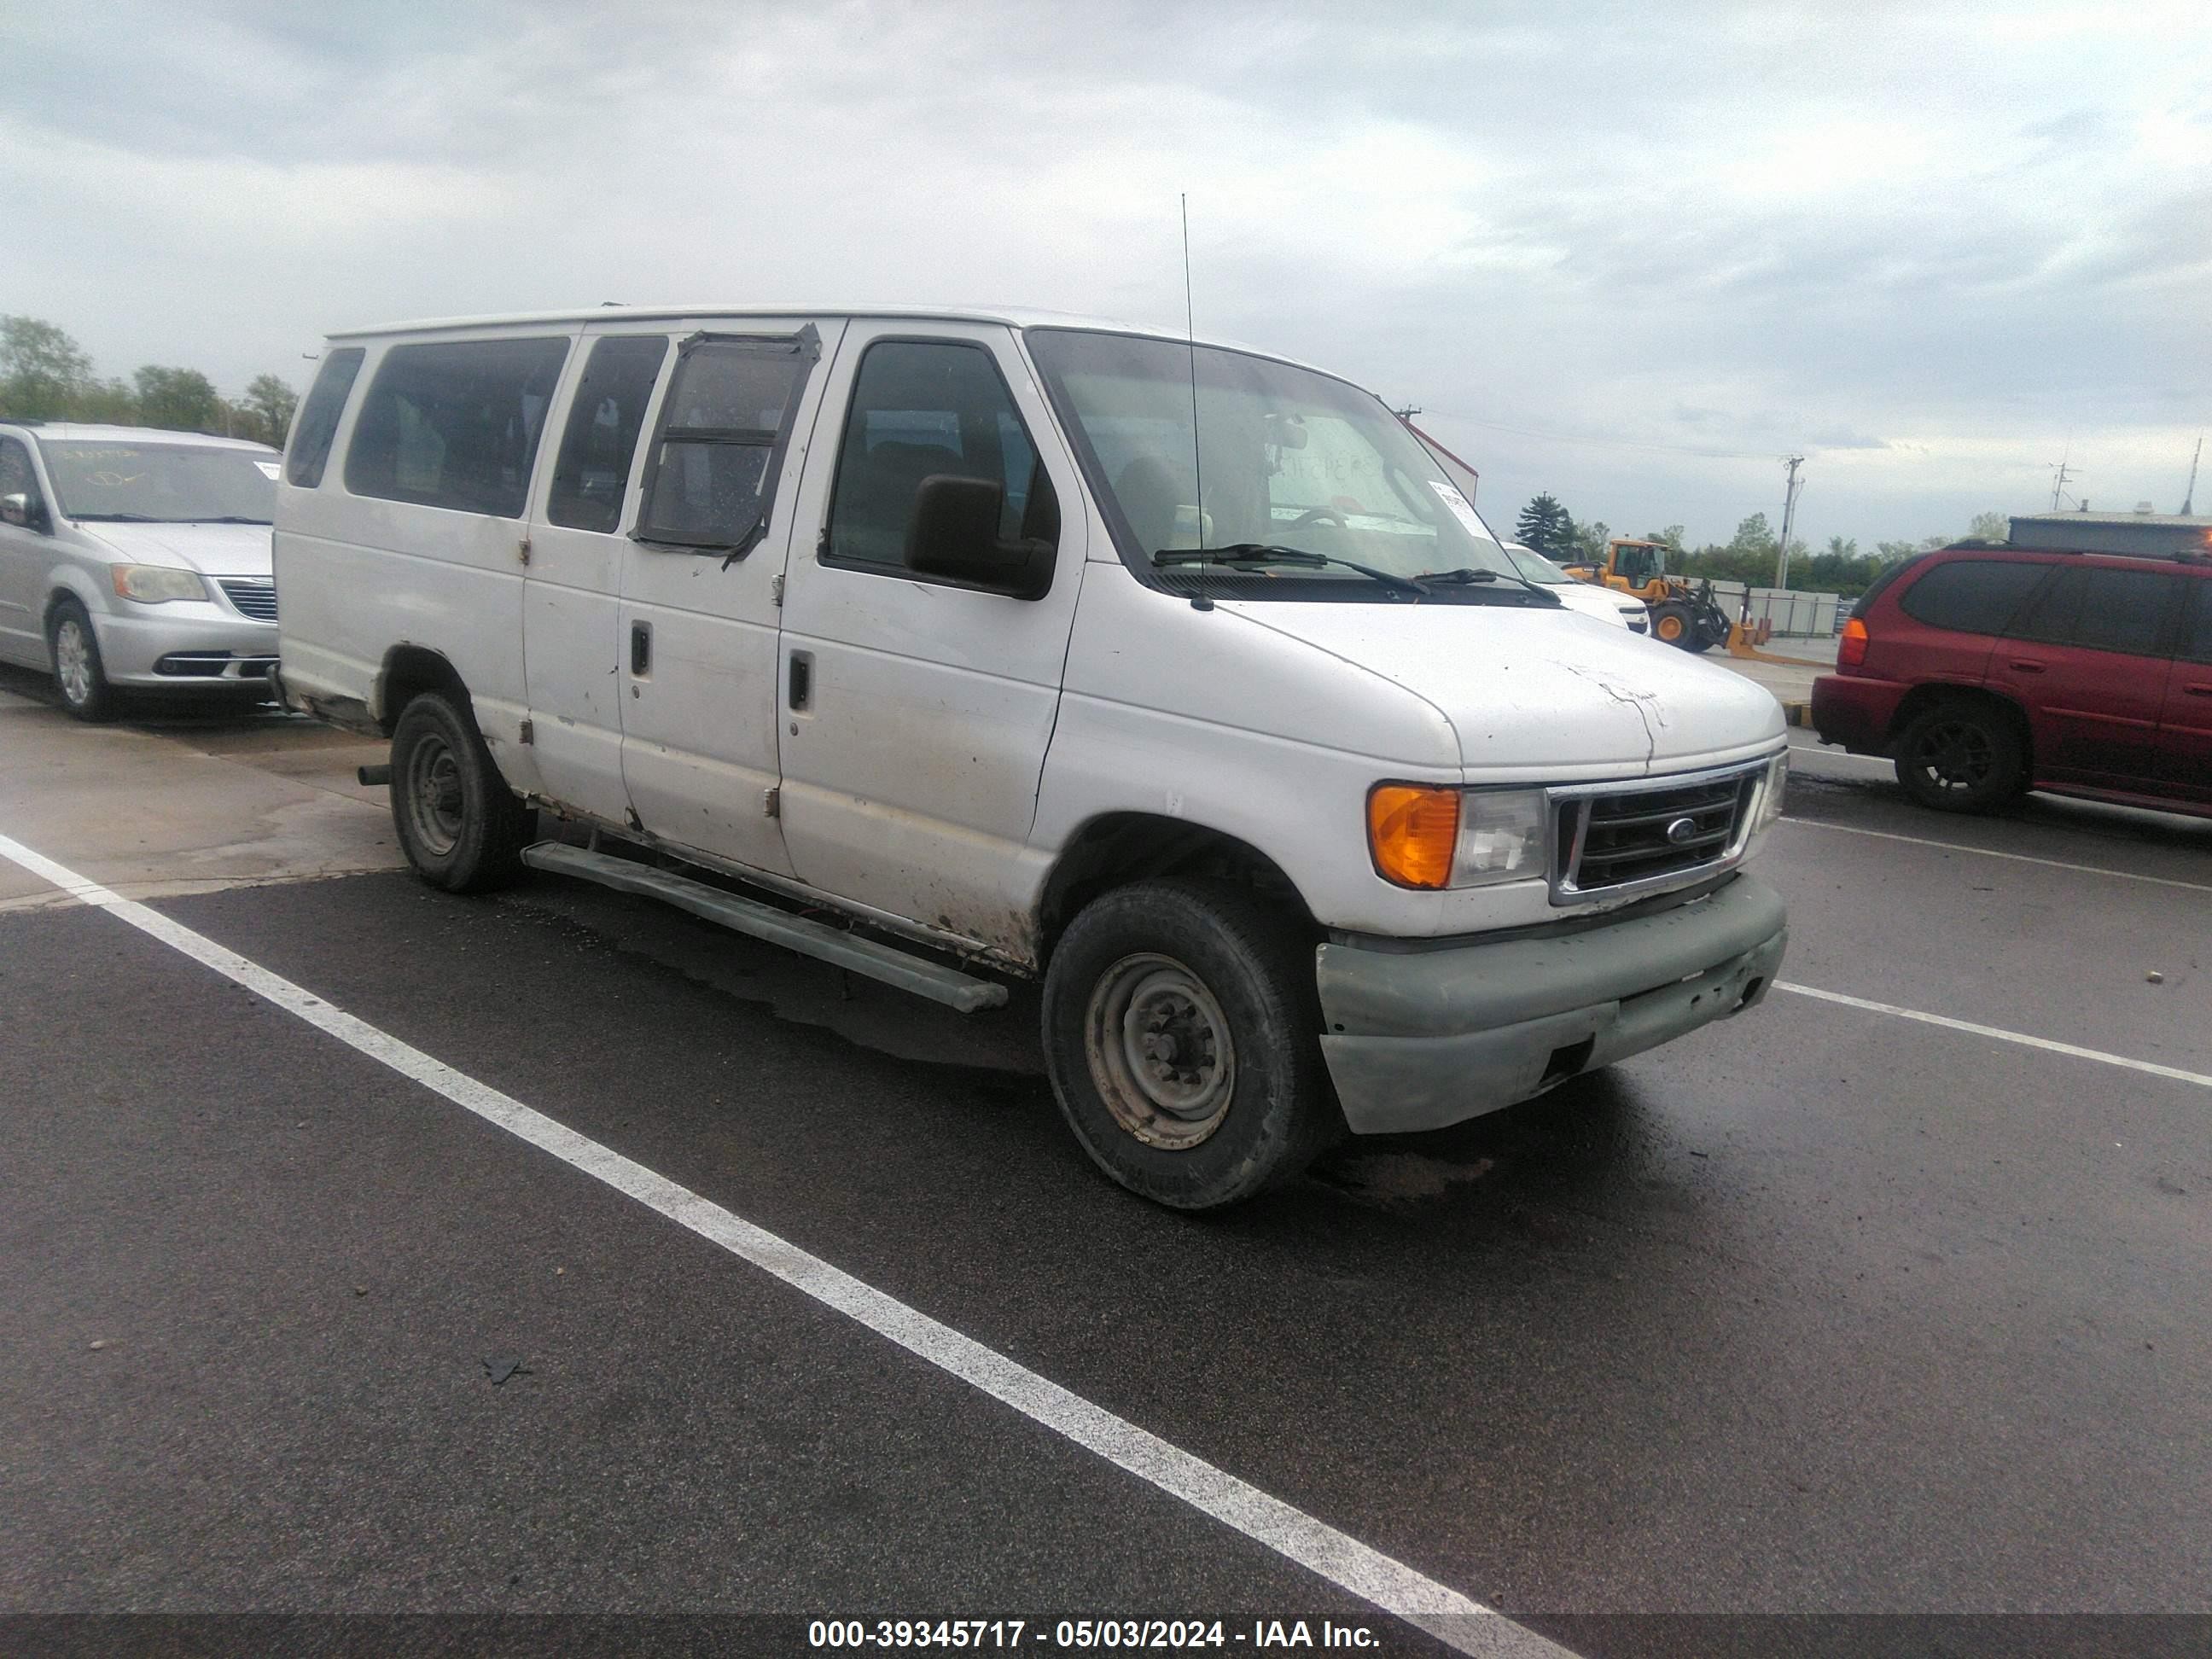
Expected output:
(1182, 1032)
(459, 825)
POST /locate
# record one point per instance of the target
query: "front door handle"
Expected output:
(802, 678)
(2198, 691)
(2024, 666)
(640, 647)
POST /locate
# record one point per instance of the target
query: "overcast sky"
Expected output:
(1629, 254)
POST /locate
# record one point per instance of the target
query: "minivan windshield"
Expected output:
(1535, 566)
(1300, 485)
(133, 482)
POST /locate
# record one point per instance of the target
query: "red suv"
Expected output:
(1988, 671)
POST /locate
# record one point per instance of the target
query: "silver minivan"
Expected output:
(134, 559)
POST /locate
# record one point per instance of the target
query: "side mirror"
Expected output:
(17, 510)
(953, 532)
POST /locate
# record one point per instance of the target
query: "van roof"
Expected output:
(1005, 316)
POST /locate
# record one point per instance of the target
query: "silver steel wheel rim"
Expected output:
(1160, 1051)
(436, 806)
(73, 661)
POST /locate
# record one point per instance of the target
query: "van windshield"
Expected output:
(161, 483)
(1283, 459)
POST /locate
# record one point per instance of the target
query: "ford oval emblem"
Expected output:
(1680, 831)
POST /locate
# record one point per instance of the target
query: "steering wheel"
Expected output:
(1315, 515)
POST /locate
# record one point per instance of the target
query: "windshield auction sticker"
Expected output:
(1460, 508)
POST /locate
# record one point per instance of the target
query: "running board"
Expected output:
(936, 980)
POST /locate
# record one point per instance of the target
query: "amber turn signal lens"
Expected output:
(1852, 651)
(1413, 833)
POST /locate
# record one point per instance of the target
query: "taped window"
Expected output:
(711, 484)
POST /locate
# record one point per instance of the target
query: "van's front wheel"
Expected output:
(1182, 1036)
(459, 825)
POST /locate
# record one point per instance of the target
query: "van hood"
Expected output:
(213, 550)
(1543, 694)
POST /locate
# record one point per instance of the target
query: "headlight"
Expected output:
(1429, 836)
(155, 584)
(1771, 793)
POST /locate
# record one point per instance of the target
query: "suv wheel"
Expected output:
(459, 825)
(74, 649)
(1961, 758)
(1182, 1032)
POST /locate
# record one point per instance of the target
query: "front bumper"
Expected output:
(1422, 1038)
(172, 647)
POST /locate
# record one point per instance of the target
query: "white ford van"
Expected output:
(957, 646)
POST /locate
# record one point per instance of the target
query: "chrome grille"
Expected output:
(1614, 836)
(251, 596)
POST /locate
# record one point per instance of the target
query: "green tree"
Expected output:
(1753, 536)
(111, 403)
(1589, 540)
(1671, 539)
(1890, 552)
(270, 404)
(42, 369)
(178, 399)
(1545, 527)
(1990, 527)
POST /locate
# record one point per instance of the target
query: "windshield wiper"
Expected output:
(117, 517)
(225, 517)
(1266, 553)
(1465, 576)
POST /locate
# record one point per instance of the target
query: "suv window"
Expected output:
(729, 410)
(591, 471)
(1973, 595)
(2103, 609)
(318, 417)
(455, 424)
(2198, 647)
(923, 409)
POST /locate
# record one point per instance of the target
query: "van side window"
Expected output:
(455, 424)
(16, 476)
(1973, 595)
(711, 483)
(921, 408)
(591, 471)
(318, 417)
(2103, 609)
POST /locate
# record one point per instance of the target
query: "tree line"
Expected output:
(1748, 557)
(44, 376)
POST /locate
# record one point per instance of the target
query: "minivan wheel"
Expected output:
(1961, 758)
(459, 825)
(74, 651)
(1181, 1033)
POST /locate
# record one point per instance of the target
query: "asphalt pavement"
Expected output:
(1835, 1310)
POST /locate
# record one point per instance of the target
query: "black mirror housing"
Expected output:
(953, 532)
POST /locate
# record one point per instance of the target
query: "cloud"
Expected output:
(1635, 253)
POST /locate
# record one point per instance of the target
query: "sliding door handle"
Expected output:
(801, 682)
(640, 647)
(2027, 665)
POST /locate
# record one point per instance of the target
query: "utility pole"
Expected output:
(2059, 484)
(2189, 495)
(1789, 510)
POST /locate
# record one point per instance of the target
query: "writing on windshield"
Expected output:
(162, 483)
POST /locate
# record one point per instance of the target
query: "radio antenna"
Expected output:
(1190, 340)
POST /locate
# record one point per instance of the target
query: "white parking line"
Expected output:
(2048, 1044)
(1990, 853)
(1463, 1624)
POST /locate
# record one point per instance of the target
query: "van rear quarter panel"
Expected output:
(358, 575)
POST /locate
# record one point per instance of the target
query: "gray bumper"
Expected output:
(1419, 1039)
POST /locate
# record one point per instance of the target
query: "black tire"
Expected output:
(73, 653)
(1672, 624)
(459, 825)
(1219, 1129)
(1962, 756)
